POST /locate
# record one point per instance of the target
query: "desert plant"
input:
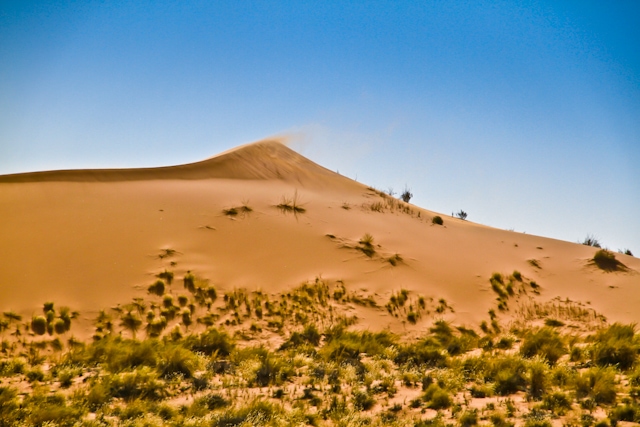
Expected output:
(157, 288)
(211, 342)
(39, 325)
(437, 220)
(615, 346)
(131, 322)
(291, 204)
(598, 384)
(606, 260)
(545, 342)
(437, 397)
(591, 240)
(406, 195)
(461, 214)
(366, 245)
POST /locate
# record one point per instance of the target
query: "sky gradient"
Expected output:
(524, 114)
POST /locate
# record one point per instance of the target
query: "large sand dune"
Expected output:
(91, 239)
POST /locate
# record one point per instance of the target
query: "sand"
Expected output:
(91, 239)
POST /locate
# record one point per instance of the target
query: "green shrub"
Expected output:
(615, 346)
(8, 403)
(257, 412)
(210, 342)
(362, 400)
(628, 412)
(437, 220)
(545, 342)
(426, 352)
(39, 325)
(143, 383)
(558, 403)
(174, 359)
(468, 418)
(509, 374)
(437, 397)
(598, 384)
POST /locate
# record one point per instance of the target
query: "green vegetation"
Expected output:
(437, 220)
(186, 357)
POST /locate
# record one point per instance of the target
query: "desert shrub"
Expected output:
(157, 288)
(342, 345)
(557, 402)
(8, 403)
(210, 342)
(43, 409)
(291, 204)
(362, 400)
(309, 336)
(66, 376)
(143, 383)
(34, 374)
(544, 342)
(257, 412)
(629, 412)
(366, 245)
(406, 195)
(615, 346)
(598, 384)
(468, 418)
(189, 281)
(508, 373)
(461, 214)
(454, 342)
(270, 369)
(537, 422)
(437, 397)
(212, 401)
(39, 325)
(437, 220)
(174, 359)
(119, 355)
(165, 275)
(412, 317)
(426, 352)
(538, 379)
(591, 240)
(481, 391)
(606, 260)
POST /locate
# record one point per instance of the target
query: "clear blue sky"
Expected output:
(526, 114)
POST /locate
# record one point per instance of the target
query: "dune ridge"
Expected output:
(262, 160)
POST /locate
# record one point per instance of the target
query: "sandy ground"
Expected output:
(91, 239)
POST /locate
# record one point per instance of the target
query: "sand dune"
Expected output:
(91, 239)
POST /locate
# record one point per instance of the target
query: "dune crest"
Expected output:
(262, 160)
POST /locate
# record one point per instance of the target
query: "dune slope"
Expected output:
(91, 239)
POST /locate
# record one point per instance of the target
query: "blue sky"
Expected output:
(525, 114)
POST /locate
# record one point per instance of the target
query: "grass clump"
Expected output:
(606, 260)
(291, 204)
(237, 210)
(598, 384)
(618, 345)
(437, 220)
(546, 343)
(591, 240)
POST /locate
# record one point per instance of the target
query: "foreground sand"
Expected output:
(93, 239)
